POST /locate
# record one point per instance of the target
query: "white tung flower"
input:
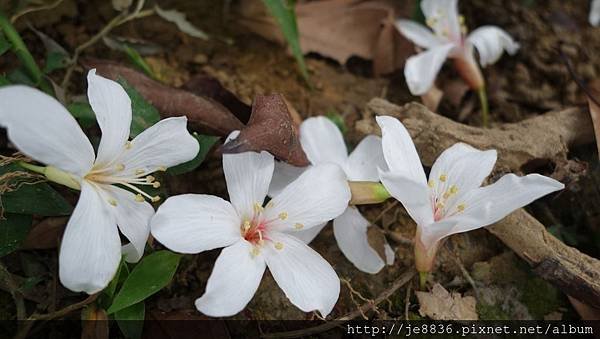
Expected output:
(40, 127)
(594, 17)
(255, 235)
(451, 201)
(323, 143)
(449, 40)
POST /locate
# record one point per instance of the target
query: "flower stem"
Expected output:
(423, 280)
(367, 192)
(33, 168)
(484, 106)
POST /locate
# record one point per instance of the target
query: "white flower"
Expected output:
(257, 236)
(449, 40)
(44, 130)
(323, 143)
(594, 17)
(451, 201)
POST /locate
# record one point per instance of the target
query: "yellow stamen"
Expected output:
(461, 207)
(443, 178)
(139, 198)
(453, 189)
(150, 179)
(255, 251)
(283, 215)
(156, 184)
(278, 246)
(112, 202)
(270, 204)
(298, 226)
(431, 183)
(257, 208)
(128, 145)
(155, 198)
(161, 168)
(120, 167)
(139, 171)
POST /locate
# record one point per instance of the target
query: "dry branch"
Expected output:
(546, 137)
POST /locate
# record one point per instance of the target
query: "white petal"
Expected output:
(133, 219)
(167, 143)
(443, 16)
(414, 196)
(420, 70)
(91, 248)
(490, 42)
(233, 281)
(320, 194)
(350, 231)
(365, 159)
(463, 166)
(283, 175)
(192, 223)
(41, 128)
(322, 141)
(399, 150)
(248, 176)
(418, 34)
(307, 279)
(307, 236)
(112, 107)
(594, 17)
(487, 205)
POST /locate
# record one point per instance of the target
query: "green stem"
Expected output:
(423, 280)
(23, 54)
(484, 106)
(33, 168)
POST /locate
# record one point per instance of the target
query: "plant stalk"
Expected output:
(484, 106)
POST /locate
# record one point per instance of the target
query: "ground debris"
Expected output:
(440, 304)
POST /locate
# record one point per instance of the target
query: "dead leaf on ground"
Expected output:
(46, 234)
(594, 104)
(440, 304)
(272, 129)
(340, 29)
(204, 114)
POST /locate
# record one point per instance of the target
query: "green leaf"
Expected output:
(4, 44)
(206, 143)
(20, 76)
(138, 61)
(54, 61)
(148, 277)
(4, 81)
(131, 320)
(284, 13)
(144, 114)
(122, 271)
(83, 112)
(13, 230)
(337, 119)
(39, 199)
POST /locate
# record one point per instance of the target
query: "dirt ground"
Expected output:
(532, 82)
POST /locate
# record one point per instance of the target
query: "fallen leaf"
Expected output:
(340, 29)
(272, 129)
(440, 304)
(46, 234)
(182, 23)
(204, 115)
(585, 311)
(210, 87)
(594, 104)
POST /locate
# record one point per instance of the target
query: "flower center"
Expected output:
(442, 197)
(113, 174)
(255, 230)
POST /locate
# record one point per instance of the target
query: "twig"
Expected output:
(407, 300)
(58, 314)
(354, 292)
(28, 10)
(396, 285)
(115, 22)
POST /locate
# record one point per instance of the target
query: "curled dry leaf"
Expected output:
(440, 304)
(204, 114)
(340, 29)
(271, 128)
(594, 104)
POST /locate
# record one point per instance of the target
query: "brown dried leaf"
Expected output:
(340, 29)
(593, 98)
(46, 234)
(204, 115)
(440, 304)
(271, 128)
